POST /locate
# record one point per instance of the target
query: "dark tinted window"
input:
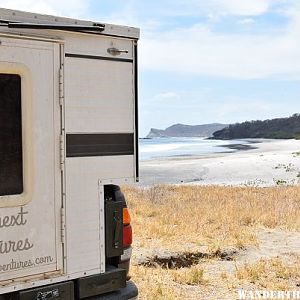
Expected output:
(11, 164)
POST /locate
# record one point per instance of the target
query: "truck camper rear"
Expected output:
(68, 140)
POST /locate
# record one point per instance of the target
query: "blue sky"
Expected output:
(204, 61)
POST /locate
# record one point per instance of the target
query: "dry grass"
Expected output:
(155, 284)
(272, 274)
(213, 216)
(190, 276)
(186, 218)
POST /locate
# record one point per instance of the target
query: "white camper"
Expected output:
(68, 138)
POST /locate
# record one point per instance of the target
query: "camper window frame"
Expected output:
(26, 124)
(11, 181)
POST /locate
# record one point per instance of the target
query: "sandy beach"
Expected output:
(263, 163)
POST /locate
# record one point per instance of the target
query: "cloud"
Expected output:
(246, 21)
(167, 96)
(239, 110)
(205, 8)
(198, 49)
(69, 8)
(144, 13)
(240, 8)
(201, 51)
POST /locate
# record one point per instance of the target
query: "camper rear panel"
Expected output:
(100, 140)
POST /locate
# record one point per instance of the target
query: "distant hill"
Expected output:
(181, 130)
(281, 128)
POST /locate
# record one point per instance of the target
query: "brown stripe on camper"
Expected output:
(81, 145)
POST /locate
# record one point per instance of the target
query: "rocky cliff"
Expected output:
(181, 130)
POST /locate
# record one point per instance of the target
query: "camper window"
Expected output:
(11, 162)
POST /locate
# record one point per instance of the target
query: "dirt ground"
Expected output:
(210, 242)
(219, 273)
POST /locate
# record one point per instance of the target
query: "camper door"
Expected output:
(30, 178)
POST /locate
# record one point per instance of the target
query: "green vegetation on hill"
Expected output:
(281, 128)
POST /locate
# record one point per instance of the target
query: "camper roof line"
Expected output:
(96, 27)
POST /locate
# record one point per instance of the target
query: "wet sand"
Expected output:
(258, 163)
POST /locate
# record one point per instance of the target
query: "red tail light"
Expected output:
(127, 229)
(127, 241)
(127, 236)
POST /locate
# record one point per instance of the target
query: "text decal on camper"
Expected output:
(18, 219)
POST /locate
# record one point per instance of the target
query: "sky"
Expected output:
(202, 62)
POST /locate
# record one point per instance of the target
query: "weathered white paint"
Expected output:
(99, 96)
(83, 203)
(91, 46)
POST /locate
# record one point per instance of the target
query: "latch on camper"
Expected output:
(115, 51)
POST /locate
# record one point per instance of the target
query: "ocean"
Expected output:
(182, 146)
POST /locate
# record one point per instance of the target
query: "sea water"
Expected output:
(182, 146)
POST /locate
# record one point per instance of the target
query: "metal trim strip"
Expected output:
(136, 118)
(97, 57)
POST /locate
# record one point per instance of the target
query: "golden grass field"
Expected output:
(213, 221)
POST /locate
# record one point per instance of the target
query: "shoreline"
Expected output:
(268, 163)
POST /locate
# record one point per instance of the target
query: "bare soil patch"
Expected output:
(185, 259)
